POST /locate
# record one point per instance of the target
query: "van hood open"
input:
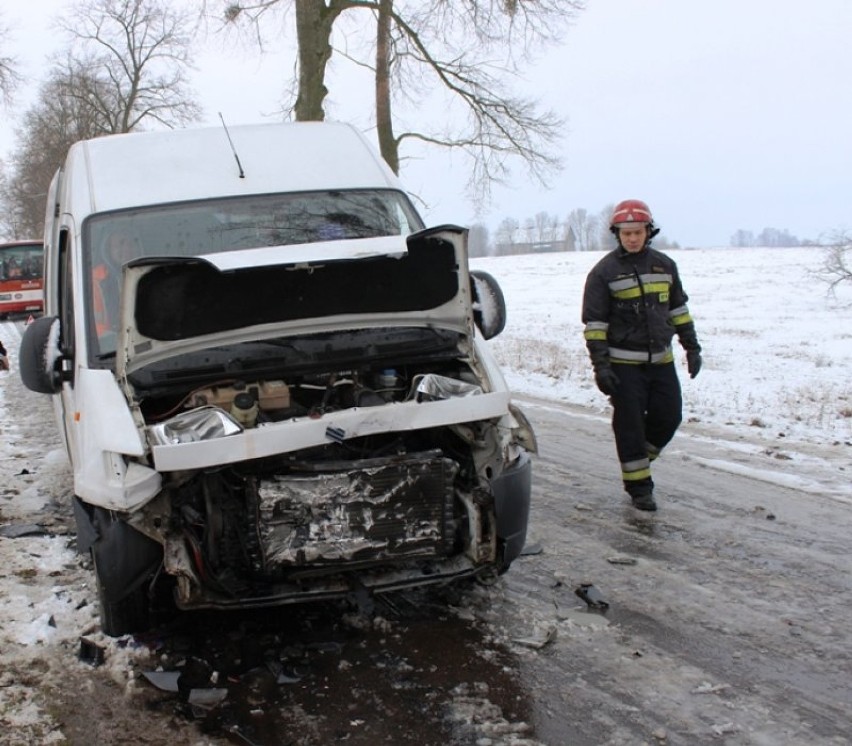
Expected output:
(174, 305)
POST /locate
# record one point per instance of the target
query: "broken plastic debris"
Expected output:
(621, 560)
(592, 596)
(284, 675)
(206, 698)
(538, 640)
(16, 531)
(707, 688)
(164, 680)
(91, 652)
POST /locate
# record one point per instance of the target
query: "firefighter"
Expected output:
(633, 305)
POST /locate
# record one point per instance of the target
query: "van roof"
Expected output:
(132, 170)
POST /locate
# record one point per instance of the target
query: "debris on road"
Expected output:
(592, 596)
(165, 681)
(539, 639)
(724, 729)
(91, 652)
(622, 560)
(707, 688)
(16, 531)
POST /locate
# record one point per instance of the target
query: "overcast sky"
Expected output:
(723, 115)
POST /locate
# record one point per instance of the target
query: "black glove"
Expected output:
(693, 362)
(606, 380)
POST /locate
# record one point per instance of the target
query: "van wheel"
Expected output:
(126, 563)
(125, 615)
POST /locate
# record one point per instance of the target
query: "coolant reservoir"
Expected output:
(244, 409)
(268, 394)
(273, 395)
(215, 396)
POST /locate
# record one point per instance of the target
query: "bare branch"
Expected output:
(10, 79)
(468, 49)
(125, 67)
(140, 51)
(837, 262)
(499, 127)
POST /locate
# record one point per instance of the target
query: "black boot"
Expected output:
(644, 502)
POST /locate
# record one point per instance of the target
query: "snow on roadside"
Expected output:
(47, 593)
(777, 350)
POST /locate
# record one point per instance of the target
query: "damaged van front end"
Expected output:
(333, 423)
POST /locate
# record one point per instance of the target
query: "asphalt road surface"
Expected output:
(727, 620)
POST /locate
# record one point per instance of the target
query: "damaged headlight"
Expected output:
(432, 387)
(203, 423)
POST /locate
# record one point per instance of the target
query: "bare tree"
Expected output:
(742, 238)
(479, 240)
(462, 52)
(568, 238)
(777, 237)
(126, 67)
(606, 240)
(586, 229)
(546, 227)
(314, 21)
(59, 118)
(136, 55)
(9, 77)
(508, 234)
(466, 53)
(388, 142)
(837, 264)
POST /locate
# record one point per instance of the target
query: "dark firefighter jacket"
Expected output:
(632, 307)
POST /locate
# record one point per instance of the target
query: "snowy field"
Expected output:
(777, 347)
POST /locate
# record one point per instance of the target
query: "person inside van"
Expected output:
(118, 248)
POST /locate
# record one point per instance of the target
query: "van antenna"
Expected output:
(236, 157)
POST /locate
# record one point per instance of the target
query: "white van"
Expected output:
(268, 375)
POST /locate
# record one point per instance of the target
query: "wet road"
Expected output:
(728, 622)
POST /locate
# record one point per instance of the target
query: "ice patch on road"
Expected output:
(791, 481)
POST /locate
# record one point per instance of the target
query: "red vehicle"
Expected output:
(21, 278)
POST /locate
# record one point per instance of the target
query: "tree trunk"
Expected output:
(388, 145)
(313, 28)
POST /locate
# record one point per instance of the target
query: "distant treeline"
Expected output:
(585, 231)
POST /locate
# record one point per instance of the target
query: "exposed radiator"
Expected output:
(384, 509)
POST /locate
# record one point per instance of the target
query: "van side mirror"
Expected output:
(489, 306)
(39, 356)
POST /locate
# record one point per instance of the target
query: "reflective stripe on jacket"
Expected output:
(633, 305)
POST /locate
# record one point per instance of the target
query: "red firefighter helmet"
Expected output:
(631, 211)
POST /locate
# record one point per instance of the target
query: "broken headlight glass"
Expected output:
(203, 423)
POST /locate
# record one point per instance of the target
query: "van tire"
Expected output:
(125, 616)
(125, 563)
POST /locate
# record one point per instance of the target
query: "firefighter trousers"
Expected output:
(647, 409)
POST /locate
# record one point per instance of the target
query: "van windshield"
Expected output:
(188, 229)
(210, 226)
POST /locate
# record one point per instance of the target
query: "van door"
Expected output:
(62, 289)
